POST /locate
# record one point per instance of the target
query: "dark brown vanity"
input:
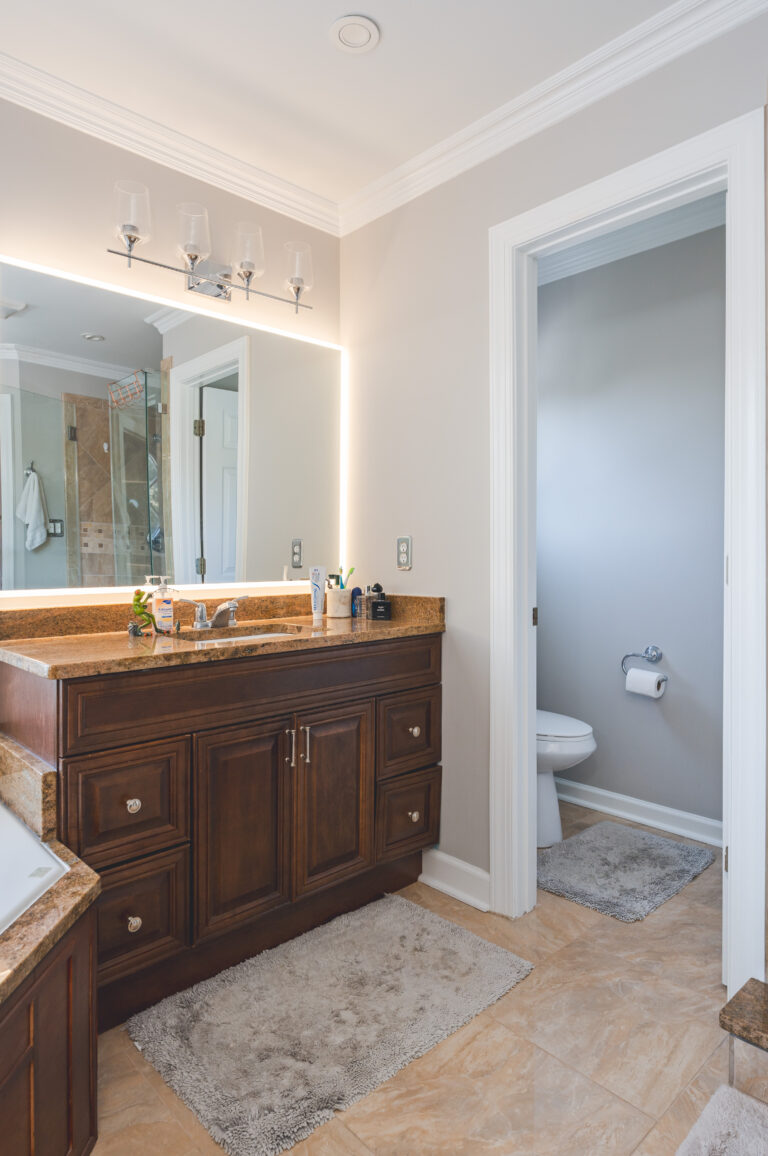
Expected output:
(229, 805)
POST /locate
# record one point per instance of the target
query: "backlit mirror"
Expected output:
(140, 440)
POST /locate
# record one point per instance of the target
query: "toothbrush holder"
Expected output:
(338, 603)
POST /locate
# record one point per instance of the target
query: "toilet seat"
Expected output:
(554, 727)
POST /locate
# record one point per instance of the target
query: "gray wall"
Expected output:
(630, 515)
(414, 316)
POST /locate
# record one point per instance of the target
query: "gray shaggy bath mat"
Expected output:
(267, 1051)
(619, 870)
(732, 1124)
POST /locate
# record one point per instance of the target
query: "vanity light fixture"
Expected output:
(193, 244)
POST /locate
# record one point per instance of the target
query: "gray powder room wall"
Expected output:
(630, 515)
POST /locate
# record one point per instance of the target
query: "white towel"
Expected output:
(32, 511)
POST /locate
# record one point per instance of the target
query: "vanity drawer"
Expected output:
(408, 814)
(143, 912)
(408, 731)
(127, 802)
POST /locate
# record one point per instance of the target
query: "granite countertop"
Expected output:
(30, 937)
(82, 655)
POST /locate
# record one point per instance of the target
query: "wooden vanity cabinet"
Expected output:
(233, 805)
(48, 1052)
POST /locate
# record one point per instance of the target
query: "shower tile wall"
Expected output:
(88, 491)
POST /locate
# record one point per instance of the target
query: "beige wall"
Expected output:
(56, 210)
(414, 317)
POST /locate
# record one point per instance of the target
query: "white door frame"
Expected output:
(730, 157)
(185, 380)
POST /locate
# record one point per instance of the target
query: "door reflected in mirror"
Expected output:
(158, 441)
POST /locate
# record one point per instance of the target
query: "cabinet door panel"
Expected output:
(334, 796)
(243, 810)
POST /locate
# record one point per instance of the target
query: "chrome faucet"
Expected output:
(224, 615)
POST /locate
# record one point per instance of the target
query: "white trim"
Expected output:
(731, 157)
(185, 379)
(73, 106)
(671, 33)
(7, 490)
(454, 877)
(649, 814)
(650, 233)
(640, 50)
(81, 365)
(164, 320)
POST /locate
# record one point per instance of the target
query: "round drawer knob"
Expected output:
(133, 806)
(415, 731)
(134, 923)
(414, 816)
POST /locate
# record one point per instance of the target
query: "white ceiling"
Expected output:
(59, 311)
(261, 80)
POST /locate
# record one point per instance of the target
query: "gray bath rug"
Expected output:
(732, 1124)
(266, 1052)
(619, 870)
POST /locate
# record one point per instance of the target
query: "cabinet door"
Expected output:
(334, 796)
(242, 824)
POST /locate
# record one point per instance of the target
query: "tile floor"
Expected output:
(611, 1045)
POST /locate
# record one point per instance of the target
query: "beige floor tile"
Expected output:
(486, 1090)
(146, 1139)
(552, 924)
(333, 1139)
(665, 1138)
(632, 1031)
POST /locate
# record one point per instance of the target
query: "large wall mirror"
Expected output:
(140, 440)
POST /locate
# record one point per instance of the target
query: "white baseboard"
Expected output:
(461, 880)
(649, 814)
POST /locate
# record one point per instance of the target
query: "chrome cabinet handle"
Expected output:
(415, 731)
(134, 923)
(133, 806)
(414, 816)
(306, 756)
(292, 757)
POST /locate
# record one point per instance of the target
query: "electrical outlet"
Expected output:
(404, 552)
(297, 553)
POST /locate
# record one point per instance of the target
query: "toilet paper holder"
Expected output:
(650, 654)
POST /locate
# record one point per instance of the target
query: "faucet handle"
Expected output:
(201, 613)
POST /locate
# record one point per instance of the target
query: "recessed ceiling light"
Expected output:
(354, 34)
(93, 337)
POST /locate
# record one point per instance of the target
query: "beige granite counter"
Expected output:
(30, 937)
(83, 655)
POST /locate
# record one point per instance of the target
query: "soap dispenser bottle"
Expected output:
(162, 605)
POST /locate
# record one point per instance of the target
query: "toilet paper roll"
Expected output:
(648, 682)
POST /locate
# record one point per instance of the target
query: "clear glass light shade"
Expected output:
(248, 253)
(194, 236)
(133, 221)
(299, 266)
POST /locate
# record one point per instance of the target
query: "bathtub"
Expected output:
(27, 868)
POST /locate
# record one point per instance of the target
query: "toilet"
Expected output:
(561, 742)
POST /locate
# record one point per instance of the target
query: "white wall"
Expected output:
(630, 515)
(293, 470)
(415, 320)
(56, 210)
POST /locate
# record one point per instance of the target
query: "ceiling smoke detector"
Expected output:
(354, 34)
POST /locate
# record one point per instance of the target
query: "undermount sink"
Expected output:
(237, 638)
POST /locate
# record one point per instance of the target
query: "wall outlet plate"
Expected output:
(404, 552)
(297, 553)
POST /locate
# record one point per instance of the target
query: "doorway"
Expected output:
(728, 159)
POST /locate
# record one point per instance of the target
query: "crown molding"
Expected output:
(679, 29)
(68, 104)
(674, 225)
(33, 356)
(166, 319)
